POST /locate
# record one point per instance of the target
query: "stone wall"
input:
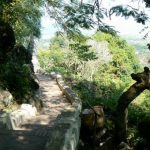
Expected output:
(67, 130)
(14, 119)
(65, 133)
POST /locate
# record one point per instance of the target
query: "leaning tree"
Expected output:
(142, 83)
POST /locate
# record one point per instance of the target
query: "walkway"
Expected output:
(34, 134)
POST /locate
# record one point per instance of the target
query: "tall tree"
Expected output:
(74, 15)
(142, 83)
(24, 16)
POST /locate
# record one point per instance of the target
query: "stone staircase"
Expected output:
(51, 129)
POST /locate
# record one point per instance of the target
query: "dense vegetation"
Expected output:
(98, 68)
(102, 76)
(18, 27)
(99, 80)
(16, 73)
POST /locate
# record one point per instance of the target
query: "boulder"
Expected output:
(18, 117)
(6, 97)
(88, 117)
(92, 126)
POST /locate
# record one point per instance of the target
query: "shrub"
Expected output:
(94, 80)
(17, 79)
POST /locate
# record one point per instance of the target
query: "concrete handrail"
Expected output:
(67, 130)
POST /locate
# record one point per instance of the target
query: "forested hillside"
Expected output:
(110, 75)
(100, 74)
(142, 51)
(98, 69)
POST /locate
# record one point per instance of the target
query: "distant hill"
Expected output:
(138, 43)
(141, 48)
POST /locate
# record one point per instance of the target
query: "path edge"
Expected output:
(67, 131)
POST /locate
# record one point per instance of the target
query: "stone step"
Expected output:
(21, 140)
(55, 127)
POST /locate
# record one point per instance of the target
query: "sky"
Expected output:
(125, 27)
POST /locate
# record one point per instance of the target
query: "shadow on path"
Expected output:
(35, 132)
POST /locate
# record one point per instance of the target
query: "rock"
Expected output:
(55, 75)
(34, 82)
(31, 110)
(88, 117)
(6, 97)
(18, 117)
(35, 62)
(15, 119)
(59, 76)
(91, 131)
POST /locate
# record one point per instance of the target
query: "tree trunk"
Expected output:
(142, 83)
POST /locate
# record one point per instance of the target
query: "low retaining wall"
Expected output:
(14, 119)
(67, 129)
(65, 133)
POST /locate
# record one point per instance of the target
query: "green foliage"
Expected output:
(71, 16)
(16, 78)
(104, 81)
(74, 15)
(113, 77)
(94, 80)
(24, 16)
(79, 16)
(16, 72)
(52, 60)
(128, 11)
(58, 42)
(124, 60)
(64, 56)
(83, 52)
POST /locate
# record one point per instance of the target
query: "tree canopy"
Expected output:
(24, 16)
(71, 15)
(82, 14)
